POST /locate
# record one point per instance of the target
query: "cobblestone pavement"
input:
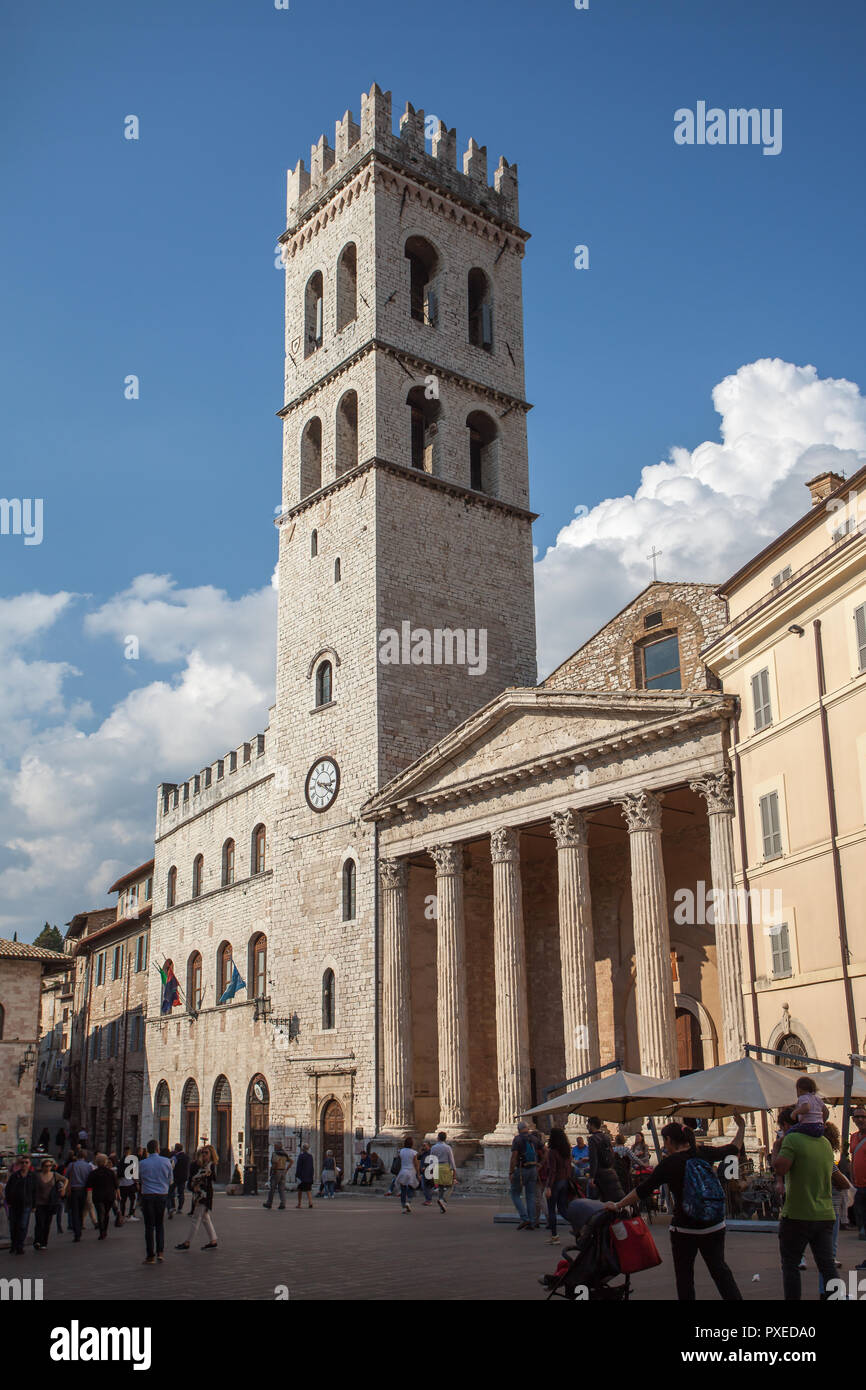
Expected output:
(360, 1247)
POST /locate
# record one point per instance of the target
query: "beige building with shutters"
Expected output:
(794, 655)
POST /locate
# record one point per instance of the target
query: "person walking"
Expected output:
(409, 1176)
(698, 1221)
(842, 1190)
(305, 1172)
(329, 1174)
(281, 1162)
(523, 1175)
(126, 1187)
(805, 1161)
(556, 1180)
(177, 1192)
(446, 1176)
(50, 1190)
(602, 1172)
(78, 1176)
(103, 1185)
(20, 1198)
(202, 1200)
(44, 1140)
(60, 1143)
(857, 1150)
(426, 1168)
(154, 1180)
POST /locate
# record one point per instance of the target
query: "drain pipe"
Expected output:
(376, 980)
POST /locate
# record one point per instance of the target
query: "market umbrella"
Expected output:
(620, 1096)
(831, 1085)
(735, 1087)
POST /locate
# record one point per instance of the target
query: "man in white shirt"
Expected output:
(444, 1155)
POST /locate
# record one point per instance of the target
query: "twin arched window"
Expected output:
(329, 1000)
(228, 863)
(324, 684)
(423, 268)
(197, 875)
(347, 299)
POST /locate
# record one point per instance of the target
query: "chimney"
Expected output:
(821, 486)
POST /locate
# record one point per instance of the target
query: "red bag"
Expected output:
(634, 1246)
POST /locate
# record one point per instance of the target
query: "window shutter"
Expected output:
(860, 621)
(761, 699)
(319, 310)
(486, 326)
(781, 950)
(430, 306)
(770, 827)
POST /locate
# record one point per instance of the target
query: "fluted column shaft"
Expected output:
(451, 1010)
(509, 952)
(396, 997)
(656, 1010)
(716, 790)
(576, 945)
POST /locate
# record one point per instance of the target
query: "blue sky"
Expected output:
(155, 257)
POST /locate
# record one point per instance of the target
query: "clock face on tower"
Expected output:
(323, 783)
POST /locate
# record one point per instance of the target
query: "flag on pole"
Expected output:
(170, 987)
(234, 984)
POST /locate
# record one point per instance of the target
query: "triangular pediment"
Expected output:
(524, 730)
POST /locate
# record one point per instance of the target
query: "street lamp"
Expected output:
(27, 1061)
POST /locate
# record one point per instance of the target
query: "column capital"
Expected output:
(642, 810)
(505, 845)
(393, 873)
(568, 829)
(717, 789)
(447, 858)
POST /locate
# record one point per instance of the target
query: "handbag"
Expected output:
(634, 1246)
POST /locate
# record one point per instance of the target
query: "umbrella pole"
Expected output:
(652, 1125)
(846, 1109)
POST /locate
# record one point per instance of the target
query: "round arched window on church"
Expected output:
(795, 1051)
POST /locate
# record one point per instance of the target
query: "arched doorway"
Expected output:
(258, 1121)
(221, 1132)
(162, 1114)
(190, 1111)
(690, 1051)
(109, 1118)
(333, 1134)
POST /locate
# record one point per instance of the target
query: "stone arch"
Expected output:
(709, 1036)
(787, 1025)
(329, 652)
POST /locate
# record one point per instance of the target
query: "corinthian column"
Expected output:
(576, 949)
(512, 1016)
(656, 1012)
(451, 1011)
(717, 793)
(396, 998)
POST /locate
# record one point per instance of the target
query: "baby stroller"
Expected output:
(591, 1264)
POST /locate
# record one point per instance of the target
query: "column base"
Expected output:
(454, 1133)
(393, 1134)
(497, 1156)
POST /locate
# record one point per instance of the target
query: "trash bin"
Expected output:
(251, 1181)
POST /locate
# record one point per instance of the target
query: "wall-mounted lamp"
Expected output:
(795, 628)
(27, 1062)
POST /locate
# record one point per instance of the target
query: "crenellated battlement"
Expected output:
(407, 148)
(177, 800)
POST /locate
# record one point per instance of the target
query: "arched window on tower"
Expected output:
(483, 447)
(324, 684)
(480, 309)
(338, 571)
(329, 1000)
(197, 875)
(424, 425)
(171, 887)
(314, 544)
(228, 868)
(193, 981)
(350, 879)
(311, 457)
(347, 286)
(347, 432)
(258, 857)
(423, 267)
(313, 313)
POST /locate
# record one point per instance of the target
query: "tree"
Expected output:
(50, 938)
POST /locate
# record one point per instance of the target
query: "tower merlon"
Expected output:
(406, 148)
(172, 796)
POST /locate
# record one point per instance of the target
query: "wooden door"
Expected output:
(223, 1132)
(333, 1136)
(258, 1127)
(690, 1052)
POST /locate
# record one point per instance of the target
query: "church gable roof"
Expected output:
(523, 732)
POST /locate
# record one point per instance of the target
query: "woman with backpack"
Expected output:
(698, 1222)
(602, 1171)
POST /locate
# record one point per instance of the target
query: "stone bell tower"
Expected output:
(405, 571)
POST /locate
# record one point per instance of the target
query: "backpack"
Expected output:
(703, 1199)
(529, 1156)
(279, 1163)
(396, 1164)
